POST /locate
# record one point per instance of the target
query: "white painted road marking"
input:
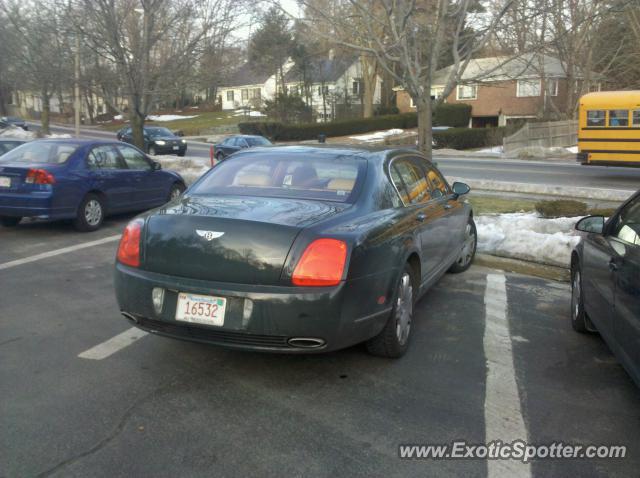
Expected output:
(57, 252)
(502, 411)
(114, 344)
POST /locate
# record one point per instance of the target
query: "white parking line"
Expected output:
(113, 345)
(57, 252)
(502, 411)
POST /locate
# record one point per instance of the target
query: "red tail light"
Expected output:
(322, 263)
(129, 248)
(39, 176)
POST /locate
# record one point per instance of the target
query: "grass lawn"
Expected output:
(491, 204)
(561, 207)
(192, 126)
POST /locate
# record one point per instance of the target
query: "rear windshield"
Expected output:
(258, 141)
(329, 179)
(40, 152)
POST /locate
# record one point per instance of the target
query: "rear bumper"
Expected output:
(259, 318)
(36, 204)
(169, 149)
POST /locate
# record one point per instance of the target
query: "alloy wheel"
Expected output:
(404, 309)
(469, 246)
(576, 293)
(93, 212)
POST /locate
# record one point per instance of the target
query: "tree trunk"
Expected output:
(46, 110)
(137, 127)
(425, 132)
(369, 77)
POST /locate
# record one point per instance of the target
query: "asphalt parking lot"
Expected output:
(493, 357)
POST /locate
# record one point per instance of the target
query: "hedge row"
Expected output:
(456, 115)
(467, 138)
(286, 132)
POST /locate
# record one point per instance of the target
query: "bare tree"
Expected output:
(410, 48)
(150, 44)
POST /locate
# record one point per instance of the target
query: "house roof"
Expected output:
(322, 70)
(245, 75)
(501, 68)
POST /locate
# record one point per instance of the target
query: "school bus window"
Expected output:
(595, 118)
(636, 118)
(618, 117)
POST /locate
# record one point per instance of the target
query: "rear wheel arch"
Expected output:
(414, 262)
(101, 195)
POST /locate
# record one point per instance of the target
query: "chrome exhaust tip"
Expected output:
(129, 316)
(306, 342)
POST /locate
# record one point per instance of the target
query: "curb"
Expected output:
(548, 190)
(518, 266)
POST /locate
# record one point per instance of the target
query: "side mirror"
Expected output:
(593, 224)
(156, 166)
(460, 189)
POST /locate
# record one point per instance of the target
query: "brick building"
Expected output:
(502, 89)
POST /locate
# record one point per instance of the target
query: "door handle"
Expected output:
(421, 217)
(613, 267)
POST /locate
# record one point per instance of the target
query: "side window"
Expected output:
(104, 157)
(134, 158)
(627, 226)
(618, 117)
(414, 181)
(439, 187)
(595, 118)
(636, 118)
(397, 181)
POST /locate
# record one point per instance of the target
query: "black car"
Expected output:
(605, 268)
(297, 249)
(15, 121)
(7, 145)
(157, 140)
(235, 143)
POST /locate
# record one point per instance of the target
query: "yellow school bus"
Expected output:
(609, 128)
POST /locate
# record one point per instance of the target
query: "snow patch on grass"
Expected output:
(190, 168)
(17, 133)
(529, 237)
(162, 118)
(250, 113)
(377, 136)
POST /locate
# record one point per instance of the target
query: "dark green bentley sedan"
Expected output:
(297, 249)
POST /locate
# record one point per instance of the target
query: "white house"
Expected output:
(335, 86)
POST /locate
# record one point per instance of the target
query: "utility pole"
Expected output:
(77, 87)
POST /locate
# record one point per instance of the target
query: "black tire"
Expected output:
(464, 261)
(220, 156)
(176, 190)
(90, 220)
(10, 221)
(182, 153)
(579, 321)
(394, 339)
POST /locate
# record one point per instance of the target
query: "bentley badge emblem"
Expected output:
(209, 235)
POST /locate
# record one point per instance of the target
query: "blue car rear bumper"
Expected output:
(34, 204)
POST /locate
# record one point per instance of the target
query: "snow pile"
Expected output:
(250, 113)
(189, 168)
(377, 136)
(58, 136)
(572, 149)
(529, 237)
(169, 117)
(14, 132)
(493, 149)
(117, 117)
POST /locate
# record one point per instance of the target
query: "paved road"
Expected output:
(159, 407)
(561, 173)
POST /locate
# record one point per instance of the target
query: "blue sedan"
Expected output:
(83, 180)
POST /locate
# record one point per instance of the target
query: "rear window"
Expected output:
(258, 141)
(330, 179)
(41, 152)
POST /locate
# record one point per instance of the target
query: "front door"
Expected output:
(148, 190)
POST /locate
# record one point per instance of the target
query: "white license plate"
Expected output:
(201, 309)
(5, 182)
(176, 148)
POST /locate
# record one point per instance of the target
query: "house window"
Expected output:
(355, 87)
(467, 92)
(230, 95)
(596, 118)
(636, 118)
(436, 93)
(256, 93)
(323, 90)
(245, 94)
(411, 102)
(618, 117)
(528, 88)
(552, 87)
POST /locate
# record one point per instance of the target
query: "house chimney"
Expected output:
(331, 53)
